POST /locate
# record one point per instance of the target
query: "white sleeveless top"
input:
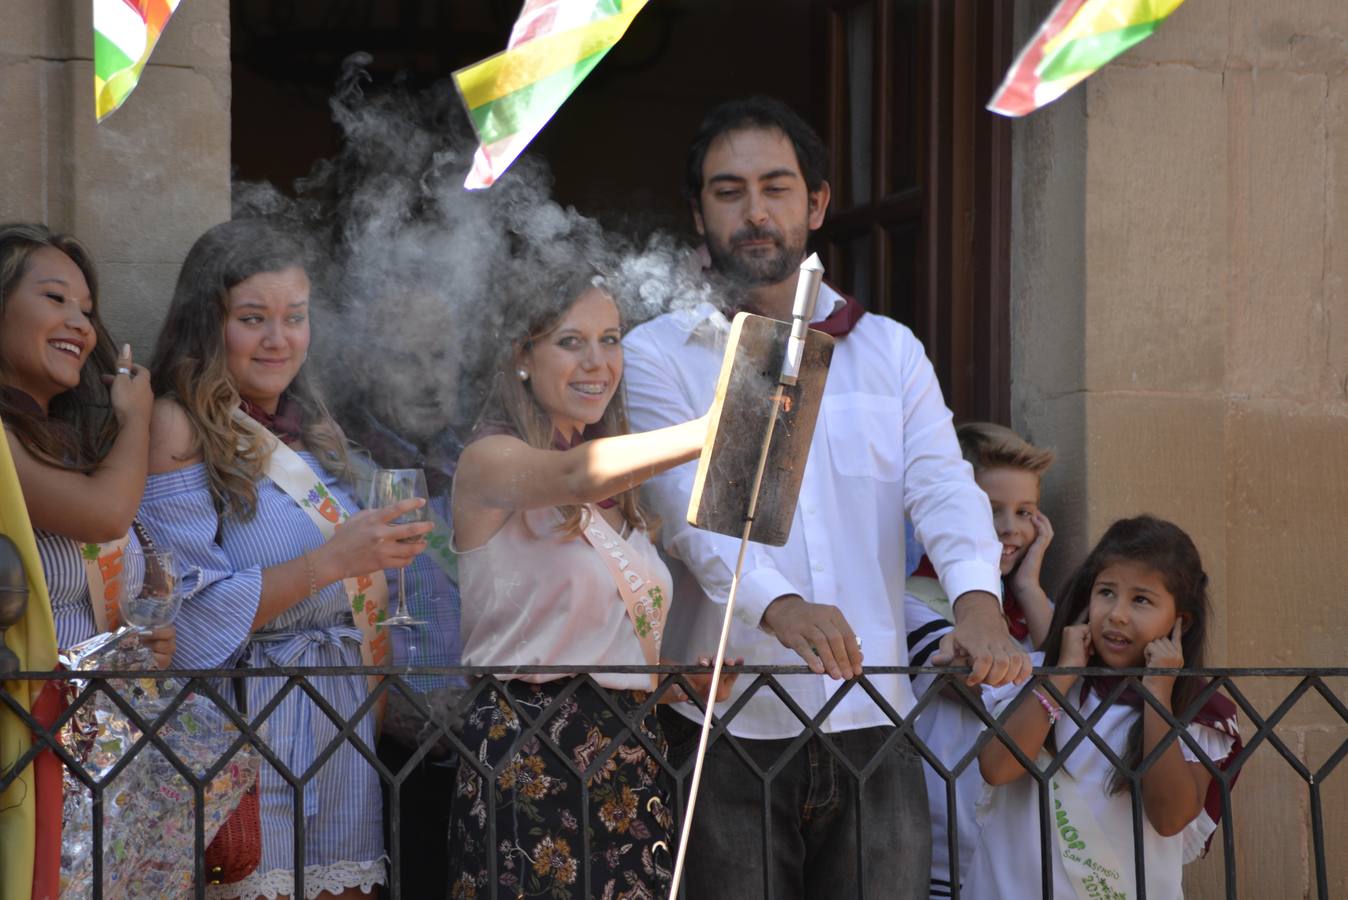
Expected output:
(532, 598)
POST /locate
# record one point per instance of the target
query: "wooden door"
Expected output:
(919, 228)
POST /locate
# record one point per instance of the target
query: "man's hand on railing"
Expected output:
(818, 632)
(980, 640)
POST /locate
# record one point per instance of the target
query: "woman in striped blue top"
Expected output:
(78, 420)
(229, 362)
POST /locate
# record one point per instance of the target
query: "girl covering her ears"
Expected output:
(77, 415)
(1139, 600)
(541, 514)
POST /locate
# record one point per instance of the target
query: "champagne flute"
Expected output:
(390, 486)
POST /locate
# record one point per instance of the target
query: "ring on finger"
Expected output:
(123, 370)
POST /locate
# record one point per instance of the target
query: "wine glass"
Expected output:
(392, 486)
(158, 599)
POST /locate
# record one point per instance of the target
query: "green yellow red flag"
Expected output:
(1077, 38)
(29, 848)
(512, 95)
(125, 34)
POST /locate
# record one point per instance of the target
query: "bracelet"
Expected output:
(313, 576)
(1054, 711)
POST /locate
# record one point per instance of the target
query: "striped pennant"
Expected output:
(512, 95)
(1077, 38)
(125, 34)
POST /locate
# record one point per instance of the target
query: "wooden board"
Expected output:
(739, 420)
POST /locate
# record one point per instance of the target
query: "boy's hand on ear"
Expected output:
(1026, 578)
(1164, 653)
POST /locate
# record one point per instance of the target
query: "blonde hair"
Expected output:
(190, 365)
(511, 406)
(990, 446)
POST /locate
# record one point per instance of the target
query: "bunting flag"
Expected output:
(512, 95)
(30, 807)
(125, 34)
(1077, 38)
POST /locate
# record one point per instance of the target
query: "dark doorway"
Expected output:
(918, 229)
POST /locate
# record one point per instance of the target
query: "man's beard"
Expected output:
(760, 268)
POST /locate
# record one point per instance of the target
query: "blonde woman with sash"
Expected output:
(246, 482)
(557, 567)
(77, 415)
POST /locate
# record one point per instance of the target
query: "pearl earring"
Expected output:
(522, 374)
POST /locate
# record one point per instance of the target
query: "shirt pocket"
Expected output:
(865, 435)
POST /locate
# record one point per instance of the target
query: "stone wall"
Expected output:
(142, 186)
(1180, 334)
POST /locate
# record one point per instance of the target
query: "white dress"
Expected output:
(1006, 862)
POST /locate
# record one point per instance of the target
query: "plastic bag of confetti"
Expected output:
(148, 806)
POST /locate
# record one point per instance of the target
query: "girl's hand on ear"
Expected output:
(1164, 653)
(1076, 645)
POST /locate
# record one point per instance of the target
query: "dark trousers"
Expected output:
(810, 818)
(423, 866)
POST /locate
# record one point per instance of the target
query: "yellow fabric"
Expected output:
(33, 640)
(518, 67)
(1101, 16)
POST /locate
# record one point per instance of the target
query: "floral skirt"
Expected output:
(538, 845)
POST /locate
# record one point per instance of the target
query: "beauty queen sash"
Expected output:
(367, 594)
(641, 593)
(1087, 856)
(104, 570)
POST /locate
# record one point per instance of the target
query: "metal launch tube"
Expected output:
(802, 311)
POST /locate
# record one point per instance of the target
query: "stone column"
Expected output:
(1179, 303)
(142, 186)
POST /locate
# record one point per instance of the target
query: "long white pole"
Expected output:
(721, 647)
(802, 310)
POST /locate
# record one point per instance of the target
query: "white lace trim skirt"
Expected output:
(333, 878)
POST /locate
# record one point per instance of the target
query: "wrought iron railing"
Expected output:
(1260, 732)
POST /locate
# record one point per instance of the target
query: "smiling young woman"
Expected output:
(248, 481)
(78, 417)
(545, 504)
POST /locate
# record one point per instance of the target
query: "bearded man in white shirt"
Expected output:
(884, 445)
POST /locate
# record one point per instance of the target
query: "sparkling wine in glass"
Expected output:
(390, 486)
(158, 599)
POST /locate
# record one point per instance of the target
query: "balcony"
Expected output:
(1269, 699)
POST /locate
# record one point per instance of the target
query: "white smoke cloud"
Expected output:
(419, 280)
